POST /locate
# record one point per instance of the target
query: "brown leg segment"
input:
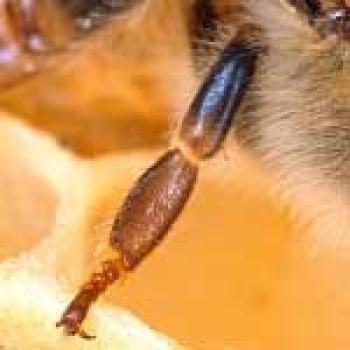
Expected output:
(78, 308)
(212, 111)
(158, 197)
(148, 211)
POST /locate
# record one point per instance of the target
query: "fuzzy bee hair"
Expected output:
(295, 118)
(126, 65)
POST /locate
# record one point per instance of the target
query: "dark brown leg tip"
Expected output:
(85, 335)
(71, 323)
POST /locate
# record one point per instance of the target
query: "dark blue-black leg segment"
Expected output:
(158, 197)
(213, 109)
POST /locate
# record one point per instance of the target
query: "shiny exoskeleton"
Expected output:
(158, 197)
(332, 17)
(160, 194)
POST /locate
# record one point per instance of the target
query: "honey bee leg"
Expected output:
(78, 308)
(158, 197)
(146, 215)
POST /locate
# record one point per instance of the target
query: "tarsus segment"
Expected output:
(77, 310)
(160, 194)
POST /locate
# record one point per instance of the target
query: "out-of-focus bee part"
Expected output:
(310, 7)
(335, 20)
(329, 17)
(92, 14)
(30, 31)
(203, 20)
(158, 197)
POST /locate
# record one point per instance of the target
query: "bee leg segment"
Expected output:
(76, 312)
(212, 111)
(158, 197)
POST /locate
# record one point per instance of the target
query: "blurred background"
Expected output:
(234, 273)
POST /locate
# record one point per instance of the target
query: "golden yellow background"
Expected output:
(235, 271)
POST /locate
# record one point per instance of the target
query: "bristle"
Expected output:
(295, 117)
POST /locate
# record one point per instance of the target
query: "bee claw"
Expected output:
(85, 335)
(71, 322)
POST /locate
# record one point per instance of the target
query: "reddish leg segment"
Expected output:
(158, 197)
(31, 32)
